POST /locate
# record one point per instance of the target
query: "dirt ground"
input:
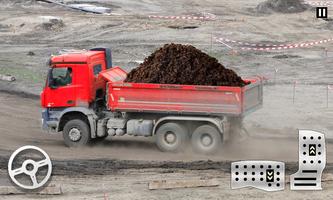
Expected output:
(24, 28)
(135, 183)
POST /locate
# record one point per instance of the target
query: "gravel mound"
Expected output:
(183, 64)
(53, 25)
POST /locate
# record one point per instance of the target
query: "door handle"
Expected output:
(70, 102)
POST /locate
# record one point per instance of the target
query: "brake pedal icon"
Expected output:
(265, 175)
(312, 161)
(29, 168)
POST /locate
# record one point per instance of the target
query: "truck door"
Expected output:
(61, 88)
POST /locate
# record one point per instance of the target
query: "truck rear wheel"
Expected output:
(206, 139)
(171, 137)
(76, 133)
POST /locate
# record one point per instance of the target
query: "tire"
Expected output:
(175, 133)
(76, 133)
(206, 139)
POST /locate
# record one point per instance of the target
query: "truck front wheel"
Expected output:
(171, 137)
(76, 133)
(206, 139)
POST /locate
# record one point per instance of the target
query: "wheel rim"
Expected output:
(170, 137)
(74, 134)
(206, 140)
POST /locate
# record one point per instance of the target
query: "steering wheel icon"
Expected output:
(30, 168)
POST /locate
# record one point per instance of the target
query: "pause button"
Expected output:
(321, 12)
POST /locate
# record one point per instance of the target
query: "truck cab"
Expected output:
(73, 79)
(73, 82)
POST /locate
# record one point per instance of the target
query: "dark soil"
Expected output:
(109, 166)
(182, 27)
(183, 64)
(285, 56)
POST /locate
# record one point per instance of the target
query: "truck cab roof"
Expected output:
(78, 57)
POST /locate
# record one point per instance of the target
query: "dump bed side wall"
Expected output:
(172, 98)
(206, 100)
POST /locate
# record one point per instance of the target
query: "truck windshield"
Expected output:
(60, 77)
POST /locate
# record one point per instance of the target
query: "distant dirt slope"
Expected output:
(282, 6)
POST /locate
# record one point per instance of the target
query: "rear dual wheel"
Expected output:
(173, 137)
(206, 139)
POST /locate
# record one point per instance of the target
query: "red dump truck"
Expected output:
(85, 97)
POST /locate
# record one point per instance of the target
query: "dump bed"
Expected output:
(181, 99)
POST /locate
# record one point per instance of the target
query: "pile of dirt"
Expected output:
(28, 2)
(4, 28)
(286, 56)
(282, 6)
(329, 24)
(53, 24)
(183, 64)
(25, 4)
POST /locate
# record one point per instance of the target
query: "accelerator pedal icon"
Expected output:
(312, 161)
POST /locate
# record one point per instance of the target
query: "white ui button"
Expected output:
(312, 161)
